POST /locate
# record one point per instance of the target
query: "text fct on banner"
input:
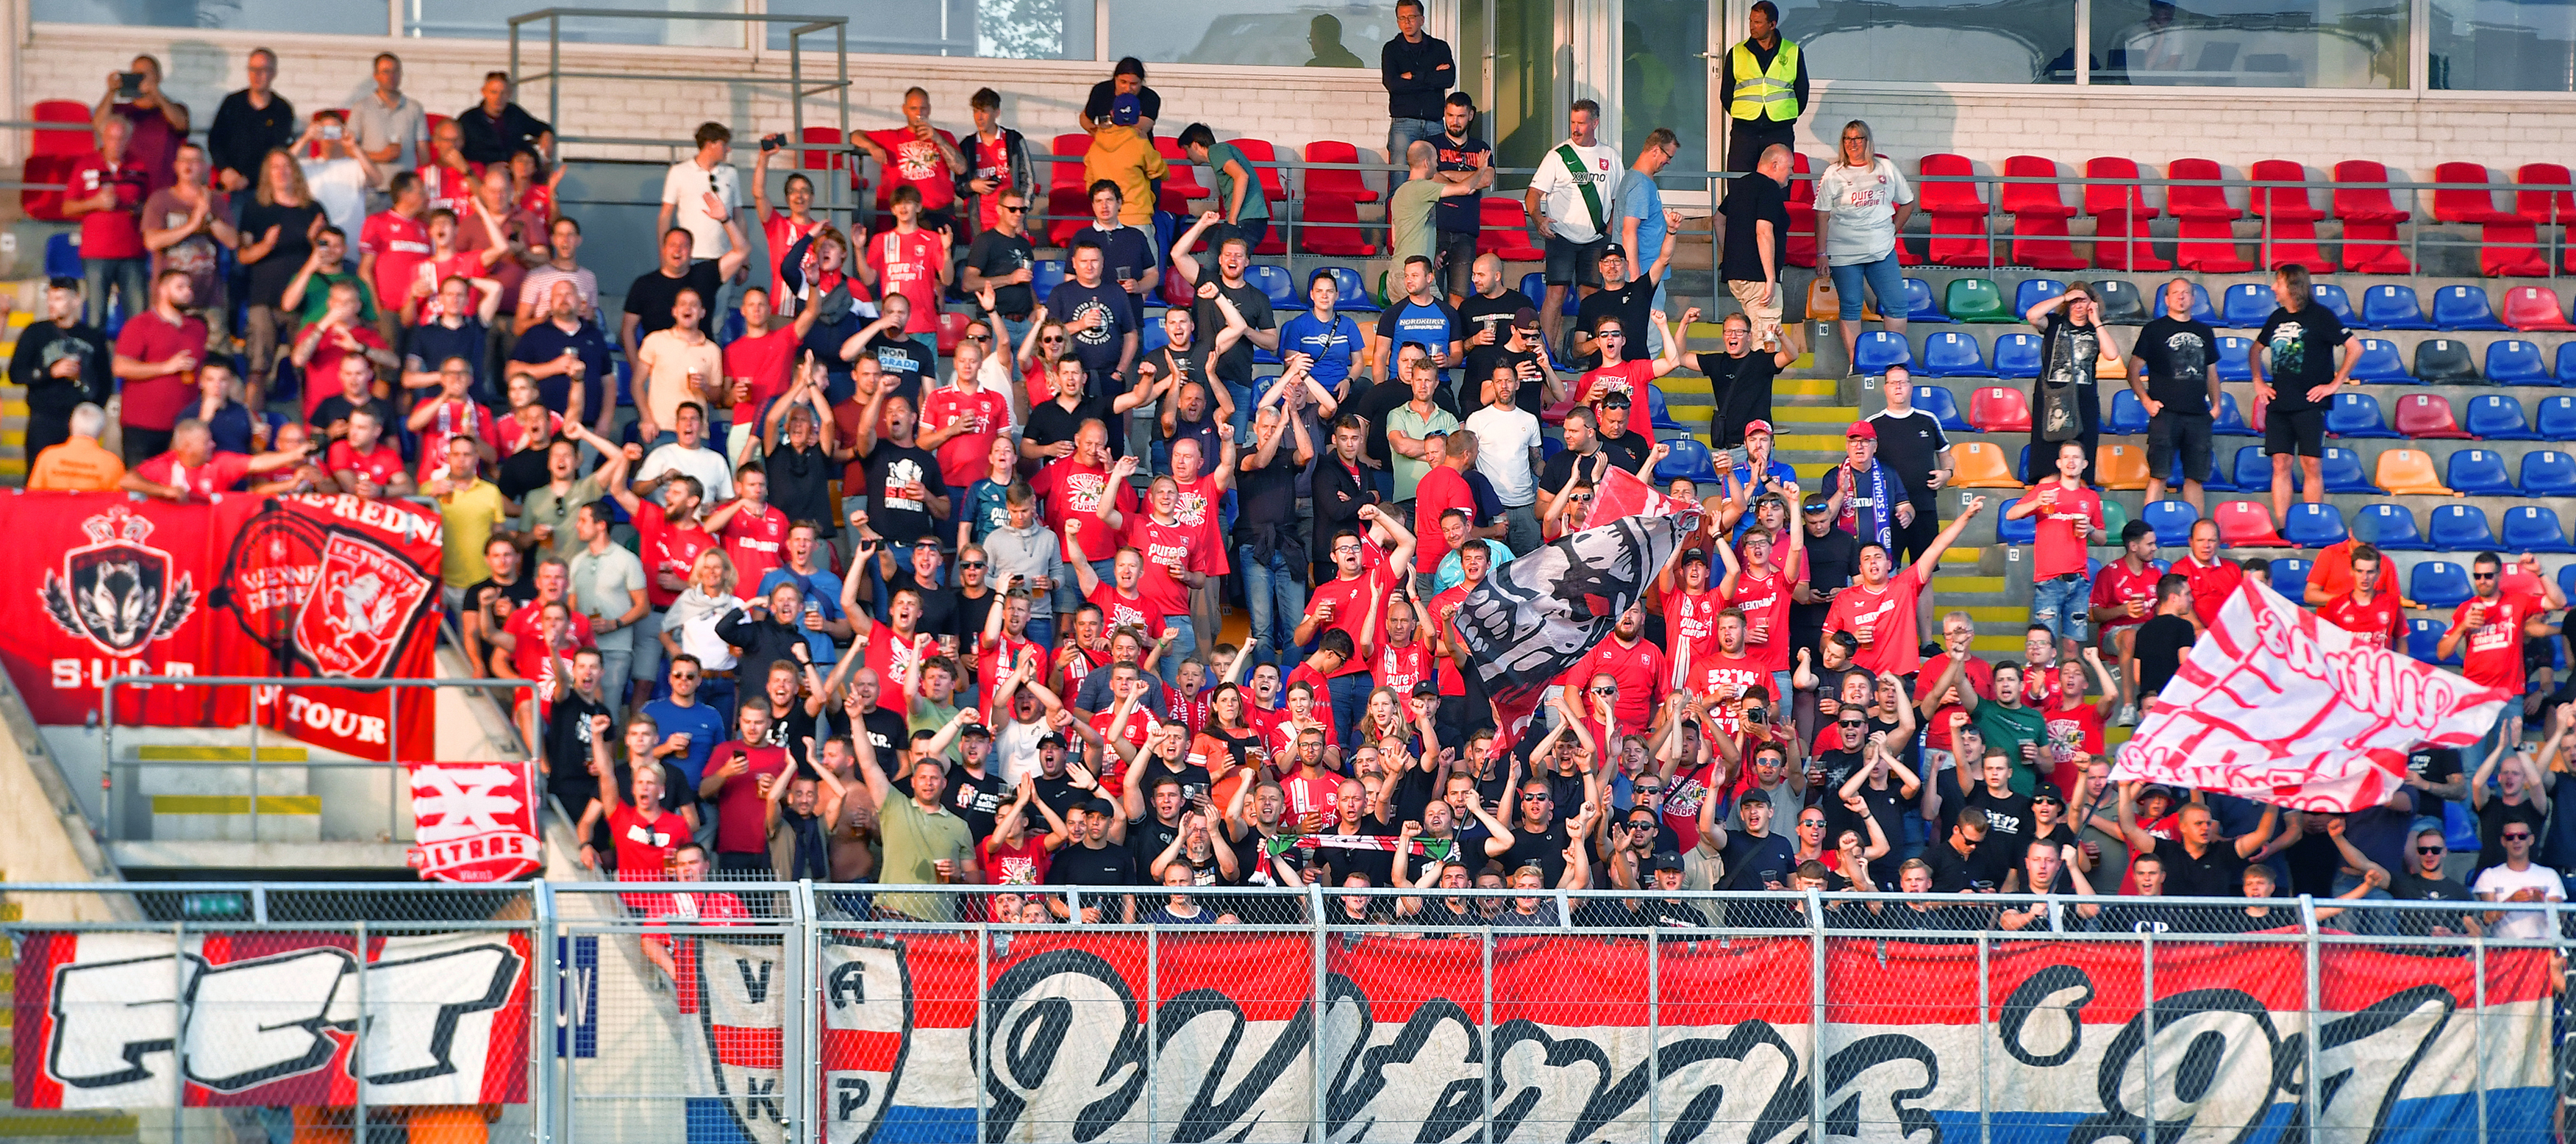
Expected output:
(2065, 1046)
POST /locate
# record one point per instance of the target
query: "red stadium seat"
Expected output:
(1999, 409)
(51, 156)
(1505, 233)
(2293, 244)
(1345, 184)
(2551, 199)
(1330, 225)
(2283, 204)
(952, 330)
(1802, 218)
(2104, 198)
(2037, 195)
(1066, 171)
(2534, 308)
(1957, 211)
(2246, 524)
(2120, 215)
(2362, 203)
(2466, 204)
(1184, 176)
(1068, 211)
(2426, 416)
(1259, 152)
(2511, 250)
(2206, 204)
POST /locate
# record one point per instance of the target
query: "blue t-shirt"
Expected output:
(545, 342)
(1641, 200)
(1097, 348)
(985, 508)
(823, 589)
(1431, 326)
(1332, 345)
(705, 728)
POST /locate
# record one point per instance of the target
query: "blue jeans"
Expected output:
(1275, 590)
(1185, 643)
(2059, 604)
(1400, 136)
(1041, 631)
(1886, 284)
(1350, 702)
(130, 277)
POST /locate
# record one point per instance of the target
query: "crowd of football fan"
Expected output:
(803, 600)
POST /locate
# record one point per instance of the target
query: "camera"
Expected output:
(773, 142)
(129, 85)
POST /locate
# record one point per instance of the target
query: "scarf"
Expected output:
(1875, 522)
(1438, 849)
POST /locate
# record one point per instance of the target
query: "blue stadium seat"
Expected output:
(63, 256)
(2389, 526)
(2254, 471)
(1919, 304)
(2514, 361)
(2201, 310)
(1942, 405)
(2235, 358)
(2312, 525)
(2248, 306)
(2128, 414)
(1045, 275)
(2290, 577)
(2381, 363)
(2017, 356)
(2478, 473)
(2230, 421)
(1690, 458)
(2172, 520)
(2034, 291)
(2357, 415)
(2496, 417)
(2015, 532)
(2567, 581)
(1153, 336)
(2548, 473)
(1879, 349)
(1949, 353)
(2424, 641)
(1660, 414)
(2439, 584)
(2464, 308)
(2554, 419)
(1276, 282)
(2566, 361)
(1352, 294)
(2531, 528)
(2392, 307)
(2460, 528)
(2342, 471)
(2218, 482)
(2332, 297)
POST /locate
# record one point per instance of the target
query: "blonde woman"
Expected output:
(277, 231)
(690, 628)
(1862, 202)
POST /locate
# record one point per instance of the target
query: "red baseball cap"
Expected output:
(1862, 430)
(1753, 427)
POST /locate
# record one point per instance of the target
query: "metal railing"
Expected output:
(614, 1011)
(126, 806)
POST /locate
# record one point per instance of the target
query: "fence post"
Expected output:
(2478, 1028)
(1816, 1021)
(358, 1049)
(1654, 1031)
(982, 1044)
(544, 1055)
(1315, 1001)
(2147, 1046)
(1153, 1023)
(179, 1027)
(1985, 1025)
(1485, 1035)
(801, 1065)
(2308, 1100)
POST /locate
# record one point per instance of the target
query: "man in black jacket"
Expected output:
(249, 124)
(1418, 71)
(61, 363)
(497, 128)
(1343, 483)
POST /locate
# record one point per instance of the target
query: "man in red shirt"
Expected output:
(1726, 674)
(192, 470)
(365, 463)
(754, 531)
(1633, 662)
(2332, 576)
(2375, 618)
(2070, 516)
(2213, 578)
(2487, 631)
(668, 541)
(1121, 599)
(737, 781)
(1760, 591)
(156, 363)
(1474, 561)
(961, 420)
(1078, 485)
(916, 155)
(1198, 503)
(1621, 374)
(678, 956)
(759, 365)
(912, 261)
(1878, 608)
(1690, 605)
(2124, 595)
(392, 246)
(106, 193)
(1443, 487)
(1343, 604)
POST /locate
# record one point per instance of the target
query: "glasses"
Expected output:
(1536, 798)
(1339, 549)
(2515, 837)
(683, 676)
(2428, 850)
(962, 565)
(1852, 726)
(1009, 209)
(1644, 789)
(1581, 498)
(1050, 341)
(1605, 691)
(979, 337)
(1811, 824)
(1606, 335)
(2482, 575)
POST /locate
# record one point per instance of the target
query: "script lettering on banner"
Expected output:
(2276, 704)
(1573, 1052)
(473, 822)
(268, 1018)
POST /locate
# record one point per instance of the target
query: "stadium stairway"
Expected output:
(13, 398)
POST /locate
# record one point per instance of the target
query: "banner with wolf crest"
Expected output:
(1074, 1035)
(312, 586)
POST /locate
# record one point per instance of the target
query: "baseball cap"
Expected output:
(1757, 426)
(976, 731)
(1126, 110)
(1613, 250)
(1427, 687)
(1526, 318)
(1615, 399)
(1696, 555)
(1862, 431)
(1662, 862)
(1050, 737)
(1756, 795)
(2158, 788)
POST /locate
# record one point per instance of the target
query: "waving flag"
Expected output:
(1534, 617)
(2277, 705)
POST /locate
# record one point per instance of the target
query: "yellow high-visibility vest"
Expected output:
(1763, 94)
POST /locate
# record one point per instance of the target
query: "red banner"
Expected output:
(306, 586)
(473, 822)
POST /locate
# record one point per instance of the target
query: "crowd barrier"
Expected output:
(797, 1012)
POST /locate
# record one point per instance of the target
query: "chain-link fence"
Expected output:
(803, 1013)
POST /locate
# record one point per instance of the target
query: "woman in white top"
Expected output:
(690, 626)
(1862, 201)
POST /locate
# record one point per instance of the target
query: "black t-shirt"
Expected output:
(888, 733)
(2217, 874)
(523, 472)
(905, 362)
(1951, 870)
(1080, 865)
(1375, 404)
(1754, 863)
(1910, 446)
(2312, 861)
(1104, 95)
(1379, 865)
(994, 255)
(1743, 386)
(1561, 468)
(2160, 644)
(1627, 450)
(1126, 253)
(651, 296)
(2411, 887)
(1050, 423)
(2303, 354)
(520, 593)
(800, 484)
(1547, 849)
(2179, 356)
(1751, 200)
(2491, 823)
(1266, 497)
(336, 409)
(1099, 347)
(1459, 214)
(1146, 838)
(269, 276)
(938, 605)
(2071, 352)
(1060, 795)
(1235, 365)
(902, 520)
(1479, 312)
(2009, 823)
(1633, 303)
(568, 746)
(2433, 765)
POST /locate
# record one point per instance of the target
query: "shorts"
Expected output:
(2300, 434)
(2059, 604)
(1571, 263)
(1764, 317)
(1886, 286)
(2188, 432)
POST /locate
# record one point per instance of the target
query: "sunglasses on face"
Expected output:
(1605, 691)
(683, 676)
(2482, 575)
(1009, 209)
(1642, 789)
(2515, 837)
(2428, 850)
(1851, 726)
(962, 565)
(1536, 798)
(1581, 498)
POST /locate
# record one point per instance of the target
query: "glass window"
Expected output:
(1952, 41)
(230, 15)
(1662, 80)
(2251, 43)
(2502, 45)
(997, 29)
(490, 20)
(1274, 33)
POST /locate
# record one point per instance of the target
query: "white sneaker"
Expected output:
(2128, 715)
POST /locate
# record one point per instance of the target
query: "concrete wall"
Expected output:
(48, 839)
